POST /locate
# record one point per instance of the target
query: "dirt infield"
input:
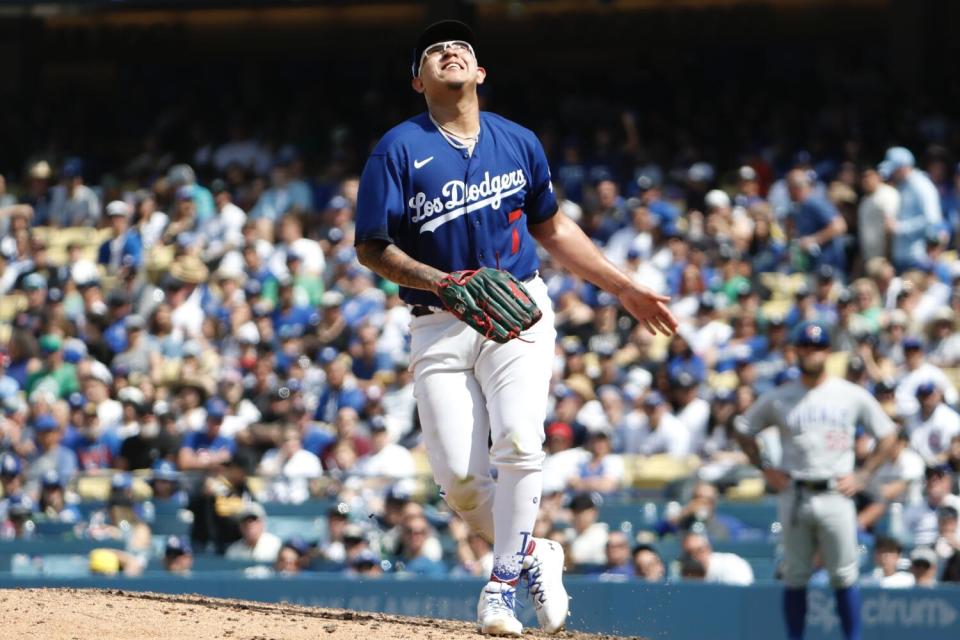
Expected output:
(113, 614)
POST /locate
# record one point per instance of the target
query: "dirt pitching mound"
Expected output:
(113, 614)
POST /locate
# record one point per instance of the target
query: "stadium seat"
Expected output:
(310, 529)
(747, 489)
(782, 286)
(658, 470)
(97, 487)
(10, 305)
(203, 562)
(759, 514)
(837, 364)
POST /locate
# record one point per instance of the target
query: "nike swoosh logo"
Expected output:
(419, 163)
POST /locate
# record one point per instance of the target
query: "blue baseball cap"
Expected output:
(177, 546)
(10, 465)
(164, 470)
(724, 395)
(216, 408)
(898, 158)
(786, 375)
(252, 288)
(121, 481)
(811, 334)
(912, 342)
(51, 478)
(19, 505)
(45, 422)
(77, 400)
(364, 557)
(399, 492)
(684, 380)
(298, 544)
(572, 345)
(653, 399)
(926, 388)
(72, 168)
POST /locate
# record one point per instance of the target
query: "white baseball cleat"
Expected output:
(495, 614)
(543, 568)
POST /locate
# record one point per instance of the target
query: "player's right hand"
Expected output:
(649, 308)
(776, 479)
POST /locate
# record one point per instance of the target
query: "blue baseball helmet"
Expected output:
(811, 334)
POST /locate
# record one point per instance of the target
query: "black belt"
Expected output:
(420, 310)
(813, 485)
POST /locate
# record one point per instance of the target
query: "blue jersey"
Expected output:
(453, 210)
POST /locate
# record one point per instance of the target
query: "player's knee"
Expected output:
(467, 493)
(844, 577)
(518, 450)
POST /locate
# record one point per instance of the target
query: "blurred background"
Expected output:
(199, 383)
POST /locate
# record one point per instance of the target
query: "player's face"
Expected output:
(813, 360)
(450, 65)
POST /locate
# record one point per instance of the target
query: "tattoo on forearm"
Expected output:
(392, 263)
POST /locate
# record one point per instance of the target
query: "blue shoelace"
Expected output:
(534, 584)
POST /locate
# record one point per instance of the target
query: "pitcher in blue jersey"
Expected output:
(455, 188)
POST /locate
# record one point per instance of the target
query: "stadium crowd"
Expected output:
(211, 332)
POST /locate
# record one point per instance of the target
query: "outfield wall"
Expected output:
(678, 612)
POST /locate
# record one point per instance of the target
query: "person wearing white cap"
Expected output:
(223, 232)
(724, 220)
(919, 207)
(255, 543)
(125, 248)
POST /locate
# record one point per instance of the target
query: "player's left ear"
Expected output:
(481, 75)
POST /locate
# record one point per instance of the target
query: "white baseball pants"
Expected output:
(469, 389)
(821, 521)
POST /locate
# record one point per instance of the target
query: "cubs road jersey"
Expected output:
(453, 210)
(816, 425)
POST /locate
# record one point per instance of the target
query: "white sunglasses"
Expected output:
(457, 45)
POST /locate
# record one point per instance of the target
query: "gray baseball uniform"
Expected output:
(817, 434)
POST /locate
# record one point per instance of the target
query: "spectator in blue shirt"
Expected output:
(11, 479)
(415, 533)
(50, 454)
(93, 446)
(340, 391)
(702, 509)
(283, 195)
(652, 197)
(289, 319)
(183, 176)
(8, 384)
(125, 249)
(165, 481)
(367, 359)
(619, 565)
(817, 225)
(115, 335)
(919, 207)
(207, 449)
(53, 504)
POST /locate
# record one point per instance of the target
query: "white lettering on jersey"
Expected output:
(459, 198)
(419, 163)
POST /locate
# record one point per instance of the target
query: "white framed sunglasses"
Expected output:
(458, 46)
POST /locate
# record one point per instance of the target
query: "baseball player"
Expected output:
(447, 192)
(816, 416)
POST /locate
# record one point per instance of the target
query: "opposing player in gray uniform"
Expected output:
(816, 416)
